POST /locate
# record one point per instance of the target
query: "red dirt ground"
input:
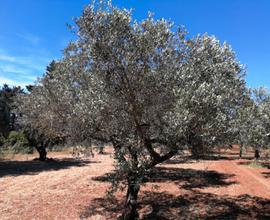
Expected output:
(70, 189)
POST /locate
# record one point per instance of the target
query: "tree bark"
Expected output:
(241, 151)
(101, 150)
(42, 152)
(130, 210)
(257, 154)
(197, 149)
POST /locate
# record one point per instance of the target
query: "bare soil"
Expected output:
(182, 188)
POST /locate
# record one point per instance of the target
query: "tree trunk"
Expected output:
(101, 150)
(42, 152)
(257, 154)
(241, 151)
(130, 210)
(197, 150)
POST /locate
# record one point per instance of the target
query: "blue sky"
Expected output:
(33, 32)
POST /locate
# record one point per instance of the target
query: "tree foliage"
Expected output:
(252, 121)
(17, 142)
(38, 114)
(7, 105)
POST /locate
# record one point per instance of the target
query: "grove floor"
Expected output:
(66, 188)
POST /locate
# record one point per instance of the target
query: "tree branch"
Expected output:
(161, 159)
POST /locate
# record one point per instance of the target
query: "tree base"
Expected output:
(130, 210)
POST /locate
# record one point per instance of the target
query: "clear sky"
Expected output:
(33, 32)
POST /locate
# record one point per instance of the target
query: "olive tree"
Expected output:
(242, 124)
(146, 89)
(37, 113)
(212, 92)
(260, 131)
(7, 104)
(253, 122)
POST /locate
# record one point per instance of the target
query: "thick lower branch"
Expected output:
(117, 147)
(148, 144)
(161, 159)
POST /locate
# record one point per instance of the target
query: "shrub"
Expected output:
(18, 143)
(2, 140)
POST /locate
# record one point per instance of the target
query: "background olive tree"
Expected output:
(252, 122)
(11, 138)
(259, 135)
(7, 105)
(143, 87)
(37, 113)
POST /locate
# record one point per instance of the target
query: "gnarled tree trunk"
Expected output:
(130, 210)
(257, 154)
(241, 151)
(198, 150)
(42, 152)
(101, 149)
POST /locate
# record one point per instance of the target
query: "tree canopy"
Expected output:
(7, 104)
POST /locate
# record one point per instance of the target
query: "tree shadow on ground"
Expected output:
(211, 156)
(200, 205)
(266, 174)
(266, 164)
(226, 156)
(16, 168)
(108, 207)
(194, 205)
(185, 178)
(189, 179)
